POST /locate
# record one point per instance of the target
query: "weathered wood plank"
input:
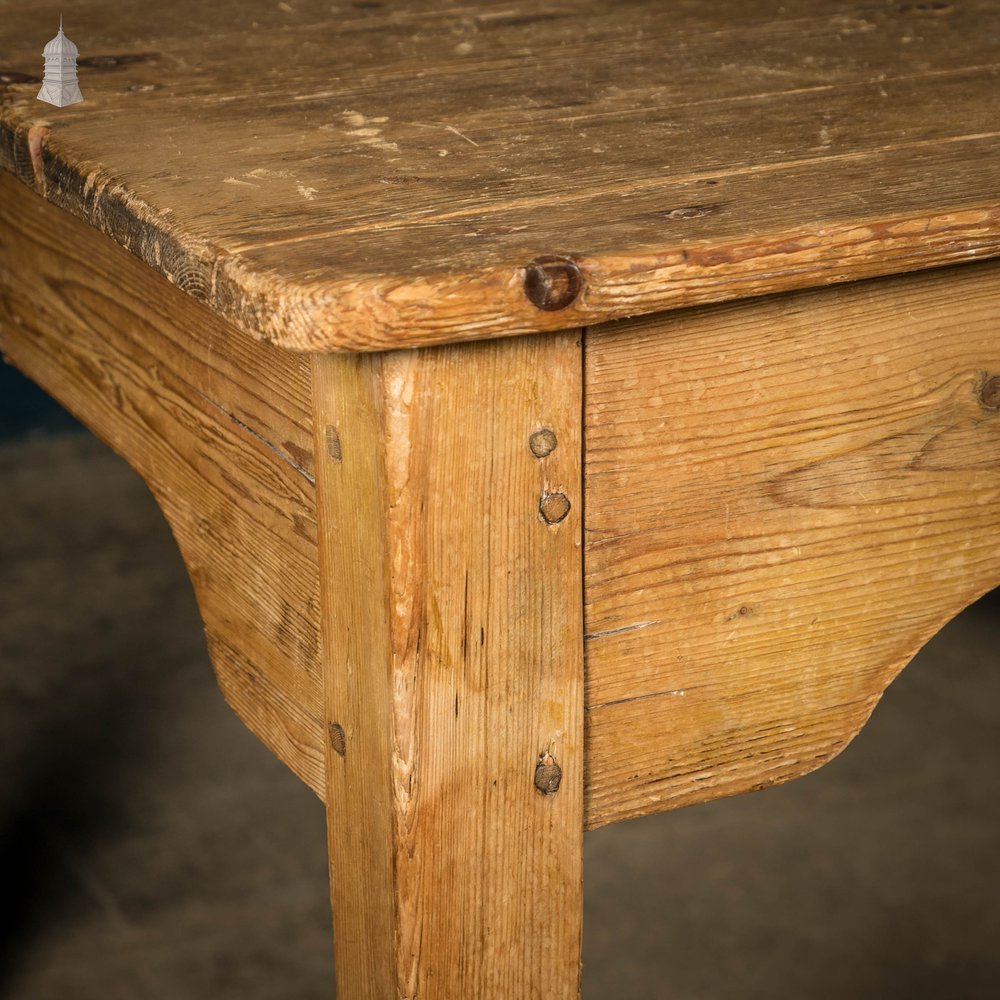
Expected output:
(370, 177)
(785, 500)
(217, 424)
(453, 656)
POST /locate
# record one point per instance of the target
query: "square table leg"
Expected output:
(449, 514)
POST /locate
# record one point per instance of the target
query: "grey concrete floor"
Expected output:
(152, 849)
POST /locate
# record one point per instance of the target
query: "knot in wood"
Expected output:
(989, 394)
(333, 448)
(13, 76)
(100, 62)
(552, 283)
(114, 62)
(932, 7)
(542, 443)
(338, 738)
(548, 776)
(553, 507)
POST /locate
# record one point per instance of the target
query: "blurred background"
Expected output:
(151, 848)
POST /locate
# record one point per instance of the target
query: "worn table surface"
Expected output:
(363, 175)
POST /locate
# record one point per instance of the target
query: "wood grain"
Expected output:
(367, 176)
(785, 500)
(453, 656)
(217, 424)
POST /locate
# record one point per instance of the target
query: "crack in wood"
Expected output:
(311, 479)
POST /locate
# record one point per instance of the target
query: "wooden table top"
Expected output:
(366, 175)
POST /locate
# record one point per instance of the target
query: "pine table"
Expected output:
(566, 411)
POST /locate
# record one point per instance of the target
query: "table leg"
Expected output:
(449, 512)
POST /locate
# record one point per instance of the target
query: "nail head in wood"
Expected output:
(338, 738)
(989, 395)
(552, 283)
(548, 776)
(553, 507)
(542, 443)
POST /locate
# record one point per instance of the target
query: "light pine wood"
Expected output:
(217, 424)
(785, 500)
(453, 655)
(715, 533)
(363, 176)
